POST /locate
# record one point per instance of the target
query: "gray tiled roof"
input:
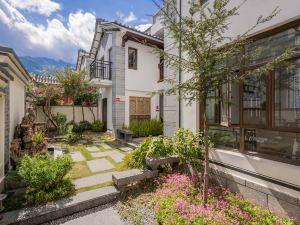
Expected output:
(45, 79)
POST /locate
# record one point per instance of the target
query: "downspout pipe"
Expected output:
(180, 70)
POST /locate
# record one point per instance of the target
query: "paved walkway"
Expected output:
(103, 160)
(108, 216)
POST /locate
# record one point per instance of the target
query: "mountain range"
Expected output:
(43, 65)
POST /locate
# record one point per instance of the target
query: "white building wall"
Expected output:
(17, 105)
(249, 13)
(143, 81)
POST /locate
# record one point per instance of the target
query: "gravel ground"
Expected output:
(143, 214)
(105, 213)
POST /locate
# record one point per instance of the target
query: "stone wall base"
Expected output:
(278, 202)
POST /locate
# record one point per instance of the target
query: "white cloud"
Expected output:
(51, 40)
(143, 27)
(126, 19)
(130, 18)
(43, 7)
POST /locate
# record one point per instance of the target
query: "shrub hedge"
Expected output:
(146, 128)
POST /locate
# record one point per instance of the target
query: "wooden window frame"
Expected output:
(136, 64)
(137, 115)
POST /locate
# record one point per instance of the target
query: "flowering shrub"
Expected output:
(179, 202)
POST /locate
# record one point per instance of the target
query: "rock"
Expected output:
(155, 162)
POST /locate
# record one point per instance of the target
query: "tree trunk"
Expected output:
(90, 108)
(82, 109)
(206, 156)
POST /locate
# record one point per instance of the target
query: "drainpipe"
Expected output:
(180, 70)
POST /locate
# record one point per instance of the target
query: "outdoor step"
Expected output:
(122, 179)
(155, 162)
(61, 208)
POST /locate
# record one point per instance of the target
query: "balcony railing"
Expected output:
(100, 70)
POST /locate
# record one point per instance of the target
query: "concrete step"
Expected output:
(61, 208)
(122, 179)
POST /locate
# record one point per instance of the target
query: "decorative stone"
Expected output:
(99, 165)
(125, 178)
(155, 162)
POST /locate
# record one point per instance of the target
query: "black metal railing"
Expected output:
(100, 70)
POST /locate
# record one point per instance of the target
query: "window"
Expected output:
(287, 97)
(140, 108)
(274, 143)
(161, 69)
(255, 100)
(213, 108)
(132, 58)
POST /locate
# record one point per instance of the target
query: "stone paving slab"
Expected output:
(93, 149)
(77, 157)
(114, 154)
(108, 216)
(92, 180)
(61, 208)
(105, 146)
(126, 149)
(99, 165)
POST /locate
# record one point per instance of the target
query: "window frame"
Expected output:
(135, 66)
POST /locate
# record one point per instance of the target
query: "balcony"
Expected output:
(100, 74)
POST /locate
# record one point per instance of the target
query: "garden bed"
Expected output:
(177, 199)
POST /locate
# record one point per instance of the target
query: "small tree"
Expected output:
(46, 96)
(206, 54)
(88, 98)
(73, 84)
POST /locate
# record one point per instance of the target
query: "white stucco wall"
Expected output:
(106, 44)
(17, 104)
(68, 111)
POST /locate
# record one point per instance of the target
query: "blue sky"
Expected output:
(56, 29)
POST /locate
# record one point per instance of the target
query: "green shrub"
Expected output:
(146, 128)
(81, 127)
(38, 137)
(72, 137)
(61, 122)
(189, 146)
(46, 178)
(150, 147)
(97, 126)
